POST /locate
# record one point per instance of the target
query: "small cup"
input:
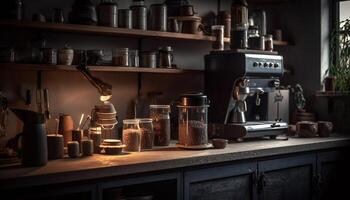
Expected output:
(87, 147)
(55, 146)
(219, 143)
(306, 129)
(73, 149)
(324, 128)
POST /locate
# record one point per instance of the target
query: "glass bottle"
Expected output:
(132, 135)
(268, 43)
(259, 17)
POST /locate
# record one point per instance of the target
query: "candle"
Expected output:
(87, 147)
(73, 149)
(55, 146)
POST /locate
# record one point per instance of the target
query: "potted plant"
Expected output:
(338, 78)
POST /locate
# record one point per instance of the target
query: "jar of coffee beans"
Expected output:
(147, 134)
(193, 120)
(161, 124)
(131, 135)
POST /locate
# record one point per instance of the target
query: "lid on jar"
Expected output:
(145, 120)
(193, 99)
(166, 49)
(160, 106)
(131, 121)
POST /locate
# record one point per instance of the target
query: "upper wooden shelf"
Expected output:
(332, 93)
(109, 31)
(102, 30)
(43, 67)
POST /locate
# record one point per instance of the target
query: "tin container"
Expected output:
(139, 17)
(108, 14)
(148, 59)
(158, 17)
(125, 18)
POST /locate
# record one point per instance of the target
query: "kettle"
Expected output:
(34, 142)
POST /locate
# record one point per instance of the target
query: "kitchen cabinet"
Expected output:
(287, 178)
(331, 174)
(235, 181)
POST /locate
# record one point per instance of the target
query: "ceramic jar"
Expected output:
(306, 129)
(65, 56)
(324, 128)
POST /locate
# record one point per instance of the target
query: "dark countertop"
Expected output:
(100, 166)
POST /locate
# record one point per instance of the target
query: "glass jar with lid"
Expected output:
(132, 135)
(268, 43)
(147, 134)
(161, 122)
(121, 57)
(193, 120)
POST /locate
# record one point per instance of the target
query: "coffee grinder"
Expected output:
(233, 77)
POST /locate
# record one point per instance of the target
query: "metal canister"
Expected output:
(148, 59)
(108, 14)
(125, 18)
(158, 17)
(139, 17)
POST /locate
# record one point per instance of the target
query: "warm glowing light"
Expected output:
(105, 98)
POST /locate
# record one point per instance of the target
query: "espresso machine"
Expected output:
(234, 79)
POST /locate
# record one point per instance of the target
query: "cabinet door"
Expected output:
(332, 174)
(287, 178)
(227, 182)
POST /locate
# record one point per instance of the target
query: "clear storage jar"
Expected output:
(147, 134)
(193, 120)
(161, 122)
(121, 57)
(131, 135)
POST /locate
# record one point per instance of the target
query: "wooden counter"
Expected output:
(101, 166)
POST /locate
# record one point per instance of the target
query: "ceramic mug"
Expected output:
(324, 128)
(65, 56)
(306, 129)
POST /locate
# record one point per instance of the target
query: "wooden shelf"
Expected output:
(109, 31)
(102, 30)
(332, 93)
(42, 67)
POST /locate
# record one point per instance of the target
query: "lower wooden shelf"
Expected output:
(43, 67)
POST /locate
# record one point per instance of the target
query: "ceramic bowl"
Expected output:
(219, 143)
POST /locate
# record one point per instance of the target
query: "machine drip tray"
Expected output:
(251, 129)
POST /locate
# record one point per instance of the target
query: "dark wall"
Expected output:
(70, 93)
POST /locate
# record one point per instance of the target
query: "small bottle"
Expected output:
(268, 43)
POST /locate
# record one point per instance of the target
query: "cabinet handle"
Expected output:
(261, 182)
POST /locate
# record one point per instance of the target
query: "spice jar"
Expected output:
(165, 57)
(121, 57)
(161, 123)
(193, 120)
(131, 135)
(253, 37)
(134, 60)
(147, 134)
(218, 32)
(268, 43)
(95, 134)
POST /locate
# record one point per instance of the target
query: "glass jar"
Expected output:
(147, 134)
(259, 17)
(132, 135)
(121, 57)
(193, 120)
(161, 122)
(239, 14)
(95, 134)
(134, 60)
(253, 38)
(268, 43)
(218, 32)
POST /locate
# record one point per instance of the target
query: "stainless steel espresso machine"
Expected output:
(232, 78)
